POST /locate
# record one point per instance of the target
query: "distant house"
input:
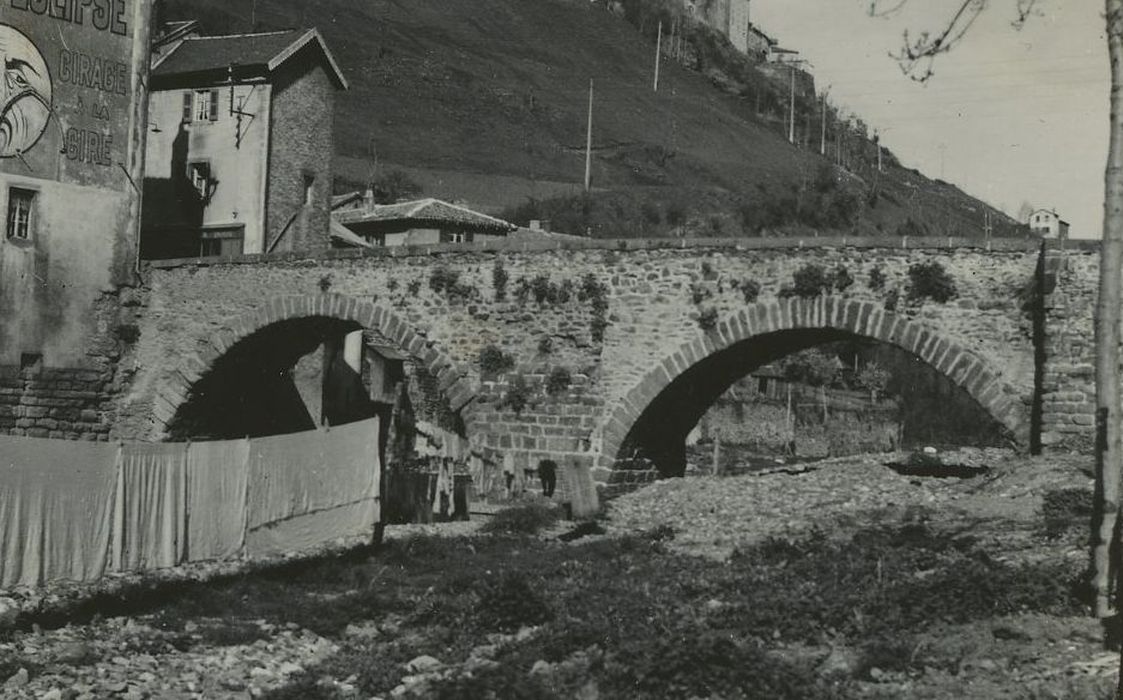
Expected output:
(239, 156)
(420, 222)
(1048, 224)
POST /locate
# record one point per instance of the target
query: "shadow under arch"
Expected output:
(269, 339)
(663, 406)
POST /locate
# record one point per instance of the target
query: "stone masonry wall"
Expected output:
(659, 294)
(300, 145)
(1068, 391)
(78, 400)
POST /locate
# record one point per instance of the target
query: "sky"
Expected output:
(1010, 116)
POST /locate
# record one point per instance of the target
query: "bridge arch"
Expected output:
(346, 313)
(766, 331)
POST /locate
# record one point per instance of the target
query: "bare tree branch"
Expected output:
(917, 56)
(1026, 9)
(881, 8)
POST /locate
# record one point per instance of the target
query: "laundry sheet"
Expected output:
(151, 507)
(74, 511)
(57, 502)
(312, 488)
(217, 479)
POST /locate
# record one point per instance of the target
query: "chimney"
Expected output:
(368, 199)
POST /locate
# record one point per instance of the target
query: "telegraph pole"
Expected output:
(658, 50)
(823, 141)
(791, 109)
(589, 141)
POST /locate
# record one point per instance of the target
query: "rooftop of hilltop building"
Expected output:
(240, 56)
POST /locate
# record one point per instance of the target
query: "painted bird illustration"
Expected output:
(25, 93)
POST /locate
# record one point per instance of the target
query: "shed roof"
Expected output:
(254, 54)
(423, 210)
(345, 236)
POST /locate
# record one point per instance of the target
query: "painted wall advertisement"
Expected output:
(67, 90)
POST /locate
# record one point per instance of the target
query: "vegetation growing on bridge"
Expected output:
(877, 279)
(930, 281)
(558, 381)
(499, 279)
(494, 361)
(595, 293)
(445, 280)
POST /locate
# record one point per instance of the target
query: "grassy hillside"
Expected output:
(486, 101)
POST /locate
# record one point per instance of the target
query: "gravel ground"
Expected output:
(134, 658)
(130, 659)
(711, 516)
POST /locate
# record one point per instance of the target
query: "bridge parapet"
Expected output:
(574, 243)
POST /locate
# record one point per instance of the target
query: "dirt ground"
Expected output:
(365, 626)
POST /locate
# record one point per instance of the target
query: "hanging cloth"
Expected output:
(150, 530)
(310, 489)
(217, 475)
(56, 510)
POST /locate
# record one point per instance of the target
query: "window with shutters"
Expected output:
(200, 106)
(21, 204)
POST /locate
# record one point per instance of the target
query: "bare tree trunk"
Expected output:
(1109, 446)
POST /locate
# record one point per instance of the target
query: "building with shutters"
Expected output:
(240, 144)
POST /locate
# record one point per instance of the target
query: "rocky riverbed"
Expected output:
(993, 497)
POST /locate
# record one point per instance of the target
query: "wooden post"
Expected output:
(589, 141)
(823, 141)
(1109, 440)
(791, 109)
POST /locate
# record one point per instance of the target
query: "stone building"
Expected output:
(420, 222)
(240, 145)
(71, 146)
(730, 17)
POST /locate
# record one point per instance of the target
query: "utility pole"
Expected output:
(658, 51)
(589, 141)
(791, 109)
(823, 140)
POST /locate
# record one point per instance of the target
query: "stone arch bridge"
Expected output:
(651, 332)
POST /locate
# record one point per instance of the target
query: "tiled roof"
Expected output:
(341, 199)
(345, 236)
(250, 53)
(423, 210)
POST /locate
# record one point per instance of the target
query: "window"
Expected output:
(223, 242)
(309, 189)
(454, 237)
(20, 210)
(199, 173)
(200, 106)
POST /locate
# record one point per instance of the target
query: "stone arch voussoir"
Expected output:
(973, 373)
(457, 387)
